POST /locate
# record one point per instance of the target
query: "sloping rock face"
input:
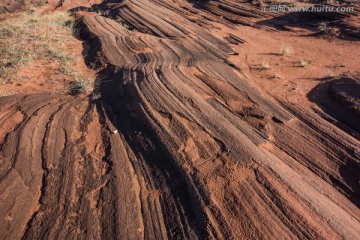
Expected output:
(180, 145)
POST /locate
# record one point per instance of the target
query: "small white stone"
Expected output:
(114, 132)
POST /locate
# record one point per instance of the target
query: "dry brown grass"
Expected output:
(30, 36)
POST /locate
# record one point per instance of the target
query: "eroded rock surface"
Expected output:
(180, 145)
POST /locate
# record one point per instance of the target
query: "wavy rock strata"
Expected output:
(200, 152)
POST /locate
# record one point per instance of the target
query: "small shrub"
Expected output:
(125, 24)
(74, 26)
(324, 27)
(95, 96)
(80, 86)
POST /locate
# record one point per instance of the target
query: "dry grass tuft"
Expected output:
(277, 76)
(264, 65)
(303, 63)
(330, 75)
(285, 50)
